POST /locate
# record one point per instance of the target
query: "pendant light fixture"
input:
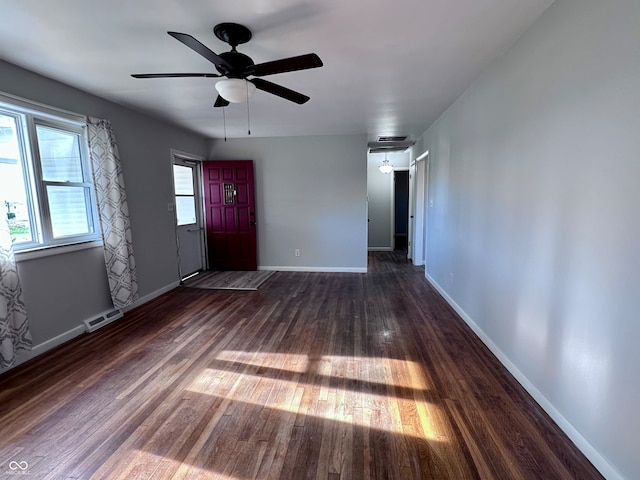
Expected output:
(386, 166)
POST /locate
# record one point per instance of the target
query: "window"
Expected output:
(45, 181)
(185, 195)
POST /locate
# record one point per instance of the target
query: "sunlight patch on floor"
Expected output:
(405, 411)
(294, 363)
(325, 364)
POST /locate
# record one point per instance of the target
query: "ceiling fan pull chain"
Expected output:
(248, 117)
(224, 122)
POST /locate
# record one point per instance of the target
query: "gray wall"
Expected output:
(62, 291)
(310, 195)
(534, 229)
(379, 193)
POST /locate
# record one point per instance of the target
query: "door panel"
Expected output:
(189, 224)
(230, 215)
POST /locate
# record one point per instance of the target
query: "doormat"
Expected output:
(229, 280)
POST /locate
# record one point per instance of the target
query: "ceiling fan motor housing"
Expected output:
(238, 61)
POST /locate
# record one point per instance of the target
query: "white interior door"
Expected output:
(419, 232)
(188, 204)
(412, 210)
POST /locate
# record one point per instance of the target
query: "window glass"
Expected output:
(13, 196)
(183, 180)
(59, 155)
(186, 210)
(68, 208)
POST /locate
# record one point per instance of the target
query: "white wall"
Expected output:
(535, 176)
(310, 195)
(380, 195)
(62, 291)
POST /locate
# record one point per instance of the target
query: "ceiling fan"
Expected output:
(237, 67)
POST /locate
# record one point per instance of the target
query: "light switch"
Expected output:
(169, 207)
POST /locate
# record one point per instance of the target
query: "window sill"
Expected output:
(40, 252)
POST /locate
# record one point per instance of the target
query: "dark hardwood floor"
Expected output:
(315, 375)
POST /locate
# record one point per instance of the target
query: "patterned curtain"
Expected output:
(15, 335)
(113, 212)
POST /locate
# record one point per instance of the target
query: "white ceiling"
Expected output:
(390, 67)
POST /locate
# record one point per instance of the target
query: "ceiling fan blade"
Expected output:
(280, 91)
(220, 102)
(174, 75)
(291, 64)
(202, 49)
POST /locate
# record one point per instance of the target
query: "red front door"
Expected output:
(230, 214)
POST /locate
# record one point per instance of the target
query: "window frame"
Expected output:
(30, 116)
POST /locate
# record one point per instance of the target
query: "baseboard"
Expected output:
(598, 460)
(46, 346)
(80, 329)
(380, 249)
(150, 296)
(314, 269)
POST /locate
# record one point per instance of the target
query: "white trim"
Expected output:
(184, 155)
(150, 296)
(314, 269)
(419, 239)
(47, 345)
(42, 110)
(392, 211)
(422, 156)
(605, 467)
(22, 255)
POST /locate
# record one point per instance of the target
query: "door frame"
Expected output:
(420, 184)
(187, 159)
(393, 205)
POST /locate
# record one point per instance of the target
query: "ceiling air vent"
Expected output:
(392, 139)
(387, 149)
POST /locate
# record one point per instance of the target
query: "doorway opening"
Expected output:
(401, 210)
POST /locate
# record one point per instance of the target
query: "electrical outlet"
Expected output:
(297, 252)
(450, 278)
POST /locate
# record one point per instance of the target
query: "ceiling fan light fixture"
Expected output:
(235, 90)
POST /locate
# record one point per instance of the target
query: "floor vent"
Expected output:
(102, 320)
